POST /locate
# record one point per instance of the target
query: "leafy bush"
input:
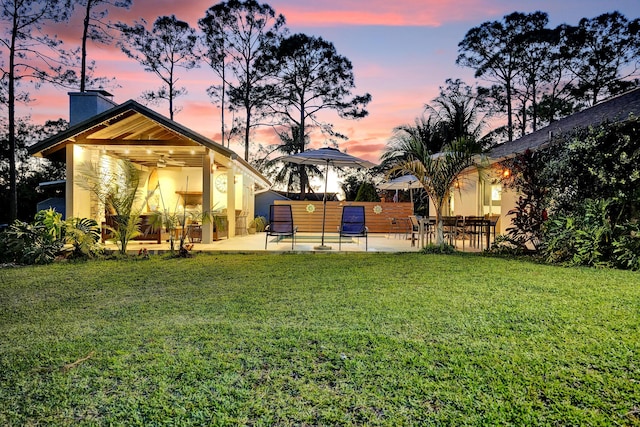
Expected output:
(83, 234)
(600, 162)
(42, 241)
(530, 211)
(507, 246)
(367, 193)
(260, 223)
(626, 247)
(26, 243)
(589, 238)
(589, 183)
(443, 249)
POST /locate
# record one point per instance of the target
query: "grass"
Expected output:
(304, 339)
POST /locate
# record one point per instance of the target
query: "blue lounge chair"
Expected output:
(353, 224)
(280, 224)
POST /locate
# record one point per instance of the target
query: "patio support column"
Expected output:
(231, 199)
(68, 186)
(207, 199)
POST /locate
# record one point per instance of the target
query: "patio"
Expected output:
(305, 242)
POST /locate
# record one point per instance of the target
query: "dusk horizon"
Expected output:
(402, 53)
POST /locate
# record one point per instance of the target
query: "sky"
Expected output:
(402, 51)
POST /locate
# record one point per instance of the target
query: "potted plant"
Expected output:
(258, 224)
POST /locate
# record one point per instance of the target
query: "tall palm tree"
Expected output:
(424, 129)
(437, 172)
(459, 111)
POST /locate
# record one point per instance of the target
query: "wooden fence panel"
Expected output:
(307, 215)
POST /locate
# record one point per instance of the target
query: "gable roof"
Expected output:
(617, 108)
(132, 124)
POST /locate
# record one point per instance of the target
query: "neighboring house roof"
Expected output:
(617, 108)
(131, 123)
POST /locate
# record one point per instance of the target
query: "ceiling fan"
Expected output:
(163, 162)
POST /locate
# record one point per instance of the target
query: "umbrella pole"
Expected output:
(324, 209)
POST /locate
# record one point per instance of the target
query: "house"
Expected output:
(179, 168)
(476, 196)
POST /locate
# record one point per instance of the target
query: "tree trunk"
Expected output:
(439, 224)
(247, 131)
(13, 189)
(222, 138)
(85, 31)
(171, 93)
(509, 112)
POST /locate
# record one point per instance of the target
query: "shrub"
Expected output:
(530, 211)
(582, 238)
(443, 249)
(626, 246)
(42, 241)
(83, 234)
(260, 223)
(367, 193)
(26, 243)
(507, 246)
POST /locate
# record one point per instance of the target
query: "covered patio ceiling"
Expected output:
(134, 132)
(135, 137)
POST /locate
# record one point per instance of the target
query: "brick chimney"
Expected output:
(84, 105)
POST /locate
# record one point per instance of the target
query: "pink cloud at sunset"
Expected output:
(307, 13)
(381, 12)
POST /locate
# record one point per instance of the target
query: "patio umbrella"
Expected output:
(404, 182)
(329, 157)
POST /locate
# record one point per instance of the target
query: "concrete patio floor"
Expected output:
(305, 242)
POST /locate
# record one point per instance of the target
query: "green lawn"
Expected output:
(304, 339)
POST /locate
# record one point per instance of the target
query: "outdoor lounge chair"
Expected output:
(353, 224)
(280, 224)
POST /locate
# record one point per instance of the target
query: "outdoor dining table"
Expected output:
(478, 229)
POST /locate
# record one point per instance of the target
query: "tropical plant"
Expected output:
(34, 243)
(582, 238)
(528, 216)
(296, 178)
(83, 234)
(47, 237)
(26, 243)
(459, 111)
(260, 223)
(626, 246)
(437, 172)
(117, 189)
(367, 193)
(596, 162)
